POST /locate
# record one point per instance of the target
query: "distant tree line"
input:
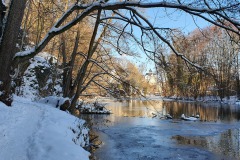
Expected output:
(216, 50)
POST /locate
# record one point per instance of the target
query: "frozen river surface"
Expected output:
(131, 133)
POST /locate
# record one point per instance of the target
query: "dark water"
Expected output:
(131, 132)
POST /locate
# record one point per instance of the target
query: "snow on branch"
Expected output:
(3, 2)
(87, 9)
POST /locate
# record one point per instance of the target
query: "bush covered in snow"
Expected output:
(42, 78)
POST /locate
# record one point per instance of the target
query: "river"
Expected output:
(132, 133)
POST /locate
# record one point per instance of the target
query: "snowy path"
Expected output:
(35, 131)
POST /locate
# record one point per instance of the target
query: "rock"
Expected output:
(64, 106)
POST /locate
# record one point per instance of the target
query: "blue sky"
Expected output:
(172, 19)
(175, 19)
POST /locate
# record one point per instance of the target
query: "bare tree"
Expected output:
(212, 11)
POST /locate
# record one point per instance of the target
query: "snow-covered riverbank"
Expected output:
(37, 131)
(233, 100)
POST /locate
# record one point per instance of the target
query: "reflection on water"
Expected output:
(135, 108)
(207, 112)
(226, 143)
(125, 129)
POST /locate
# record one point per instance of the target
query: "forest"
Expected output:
(82, 39)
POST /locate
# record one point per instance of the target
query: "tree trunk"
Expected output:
(2, 15)
(8, 48)
(68, 70)
(238, 86)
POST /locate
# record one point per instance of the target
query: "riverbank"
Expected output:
(205, 99)
(36, 131)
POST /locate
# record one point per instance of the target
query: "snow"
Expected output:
(30, 84)
(25, 53)
(3, 2)
(93, 108)
(204, 99)
(189, 118)
(237, 103)
(54, 101)
(37, 131)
